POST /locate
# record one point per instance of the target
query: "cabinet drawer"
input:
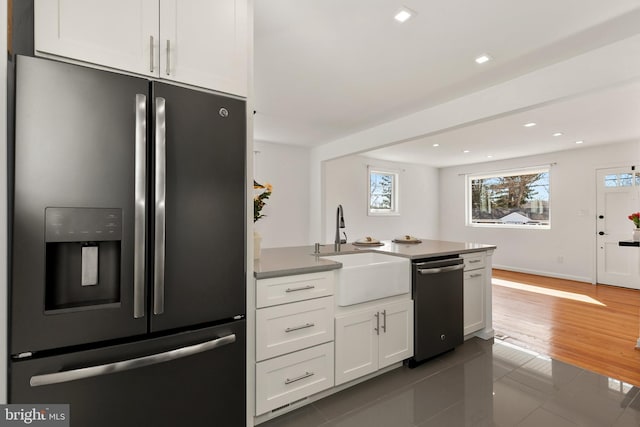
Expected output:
(290, 327)
(294, 376)
(281, 290)
(473, 261)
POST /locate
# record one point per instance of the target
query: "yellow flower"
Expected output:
(259, 199)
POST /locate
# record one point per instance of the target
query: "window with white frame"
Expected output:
(383, 192)
(511, 199)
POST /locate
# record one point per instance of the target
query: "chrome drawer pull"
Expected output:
(296, 328)
(473, 261)
(377, 328)
(384, 317)
(151, 54)
(301, 377)
(303, 288)
(476, 275)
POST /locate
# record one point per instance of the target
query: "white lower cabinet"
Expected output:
(372, 339)
(287, 378)
(473, 301)
(294, 338)
(474, 292)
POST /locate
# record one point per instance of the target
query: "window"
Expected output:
(383, 192)
(513, 199)
(622, 179)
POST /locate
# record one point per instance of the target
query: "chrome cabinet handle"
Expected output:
(168, 57)
(384, 323)
(475, 275)
(440, 269)
(473, 261)
(301, 377)
(297, 328)
(303, 288)
(125, 365)
(140, 200)
(161, 193)
(151, 54)
(377, 328)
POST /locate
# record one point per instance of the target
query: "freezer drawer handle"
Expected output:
(441, 269)
(303, 288)
(125, 365)
(301, 377)
(140, 206)
(297, 328)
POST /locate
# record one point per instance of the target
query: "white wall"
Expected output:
(286, 167)
(568, 249)
(346, 183)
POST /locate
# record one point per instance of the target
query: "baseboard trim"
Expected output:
(545, 273)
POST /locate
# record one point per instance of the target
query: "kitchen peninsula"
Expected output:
(304, 348)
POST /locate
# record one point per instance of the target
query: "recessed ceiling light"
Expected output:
(489, 156)
(466, 151)
(404, 14)
(436, 145)
(482, 59)
(557, 134)
(579, 142)
(529, 125)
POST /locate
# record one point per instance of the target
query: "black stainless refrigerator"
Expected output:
(127, 282)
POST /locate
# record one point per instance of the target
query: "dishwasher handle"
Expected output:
(440, 269)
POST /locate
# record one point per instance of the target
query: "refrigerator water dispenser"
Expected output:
(83, 258)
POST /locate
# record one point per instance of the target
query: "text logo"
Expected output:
(34, 415)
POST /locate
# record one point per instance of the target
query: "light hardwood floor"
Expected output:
(594, 327)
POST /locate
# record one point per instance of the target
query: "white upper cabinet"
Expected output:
(197, 42)
(114, 33)
(204, 43)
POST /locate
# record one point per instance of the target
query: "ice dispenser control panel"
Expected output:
(83, 258)
(83, 224)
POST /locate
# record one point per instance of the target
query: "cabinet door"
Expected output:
(473, 301)
(119, 34)
(204, 43)
(356, 342)
(396, 333)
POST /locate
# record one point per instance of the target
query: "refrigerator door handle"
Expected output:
(140, 206)
(125, 365)
(161, 190)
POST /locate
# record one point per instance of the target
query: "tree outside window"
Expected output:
(513, 199)
(383, 194)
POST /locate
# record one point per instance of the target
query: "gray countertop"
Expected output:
(276, 262)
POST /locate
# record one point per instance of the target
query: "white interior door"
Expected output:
(618, 192)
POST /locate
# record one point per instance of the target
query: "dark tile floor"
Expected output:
(478, 384)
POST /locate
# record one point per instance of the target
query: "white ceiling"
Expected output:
(325, 69)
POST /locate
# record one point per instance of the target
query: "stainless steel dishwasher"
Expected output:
(438, 311)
